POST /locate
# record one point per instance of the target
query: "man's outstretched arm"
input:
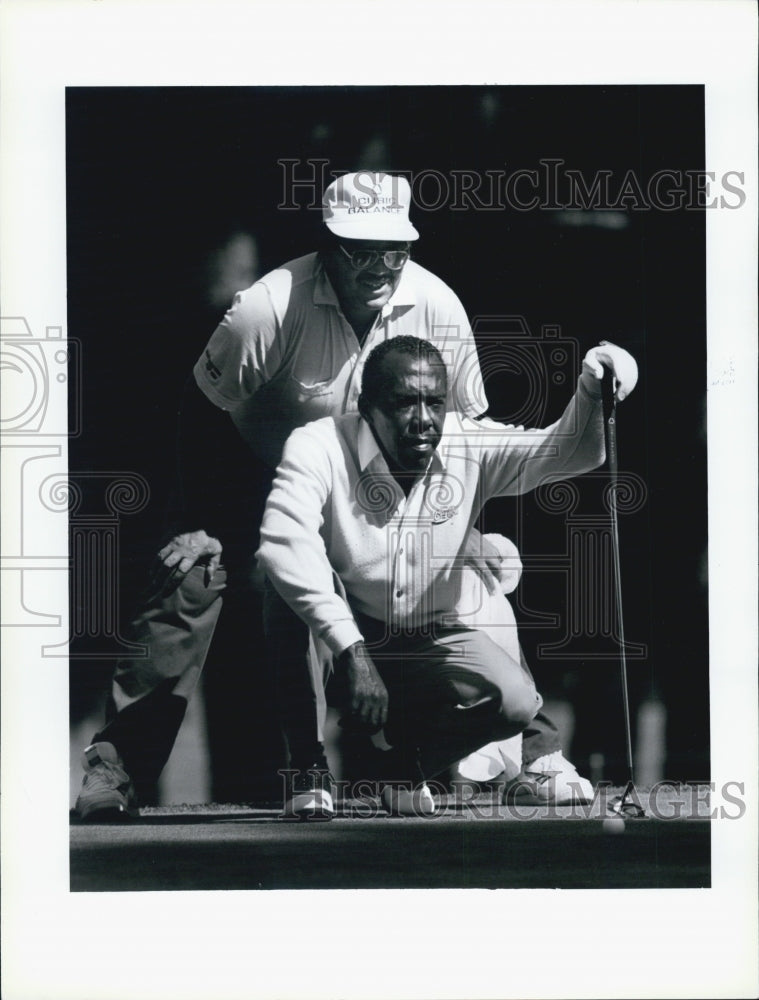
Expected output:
(516, 461)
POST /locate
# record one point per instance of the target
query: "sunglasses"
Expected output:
(361, 259)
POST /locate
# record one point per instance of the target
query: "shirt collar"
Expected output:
(369, 451)
(324, 294)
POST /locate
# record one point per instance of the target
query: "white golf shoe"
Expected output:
(549, 780)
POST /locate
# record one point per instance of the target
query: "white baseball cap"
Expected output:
(369, 205)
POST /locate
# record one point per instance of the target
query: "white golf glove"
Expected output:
(622, 364)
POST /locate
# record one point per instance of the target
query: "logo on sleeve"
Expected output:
(213, 371)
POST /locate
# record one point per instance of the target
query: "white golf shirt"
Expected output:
(334, 506)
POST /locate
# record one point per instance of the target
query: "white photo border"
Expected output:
(239, 944)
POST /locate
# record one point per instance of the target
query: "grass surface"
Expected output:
(476, 844)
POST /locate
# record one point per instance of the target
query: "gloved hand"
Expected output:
(621, 363)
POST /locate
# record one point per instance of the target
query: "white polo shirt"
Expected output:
(334, 506)
(285, 355)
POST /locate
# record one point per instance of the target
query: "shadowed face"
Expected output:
(362, 290)
(408, 421)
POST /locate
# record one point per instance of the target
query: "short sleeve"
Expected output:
(244, 351)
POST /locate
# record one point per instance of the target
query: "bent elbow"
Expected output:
(264, 556)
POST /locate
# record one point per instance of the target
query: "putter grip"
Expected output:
(610, 421)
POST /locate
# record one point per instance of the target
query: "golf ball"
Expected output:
(614, 824)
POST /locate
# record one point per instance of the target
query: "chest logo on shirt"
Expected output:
(444, 498)
(380, 497)
(443, 514)
(213, 371)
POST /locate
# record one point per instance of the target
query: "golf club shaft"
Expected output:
(610, 427)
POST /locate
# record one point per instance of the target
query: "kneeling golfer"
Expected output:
(383, 500)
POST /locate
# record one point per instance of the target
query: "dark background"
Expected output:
(156, 177)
